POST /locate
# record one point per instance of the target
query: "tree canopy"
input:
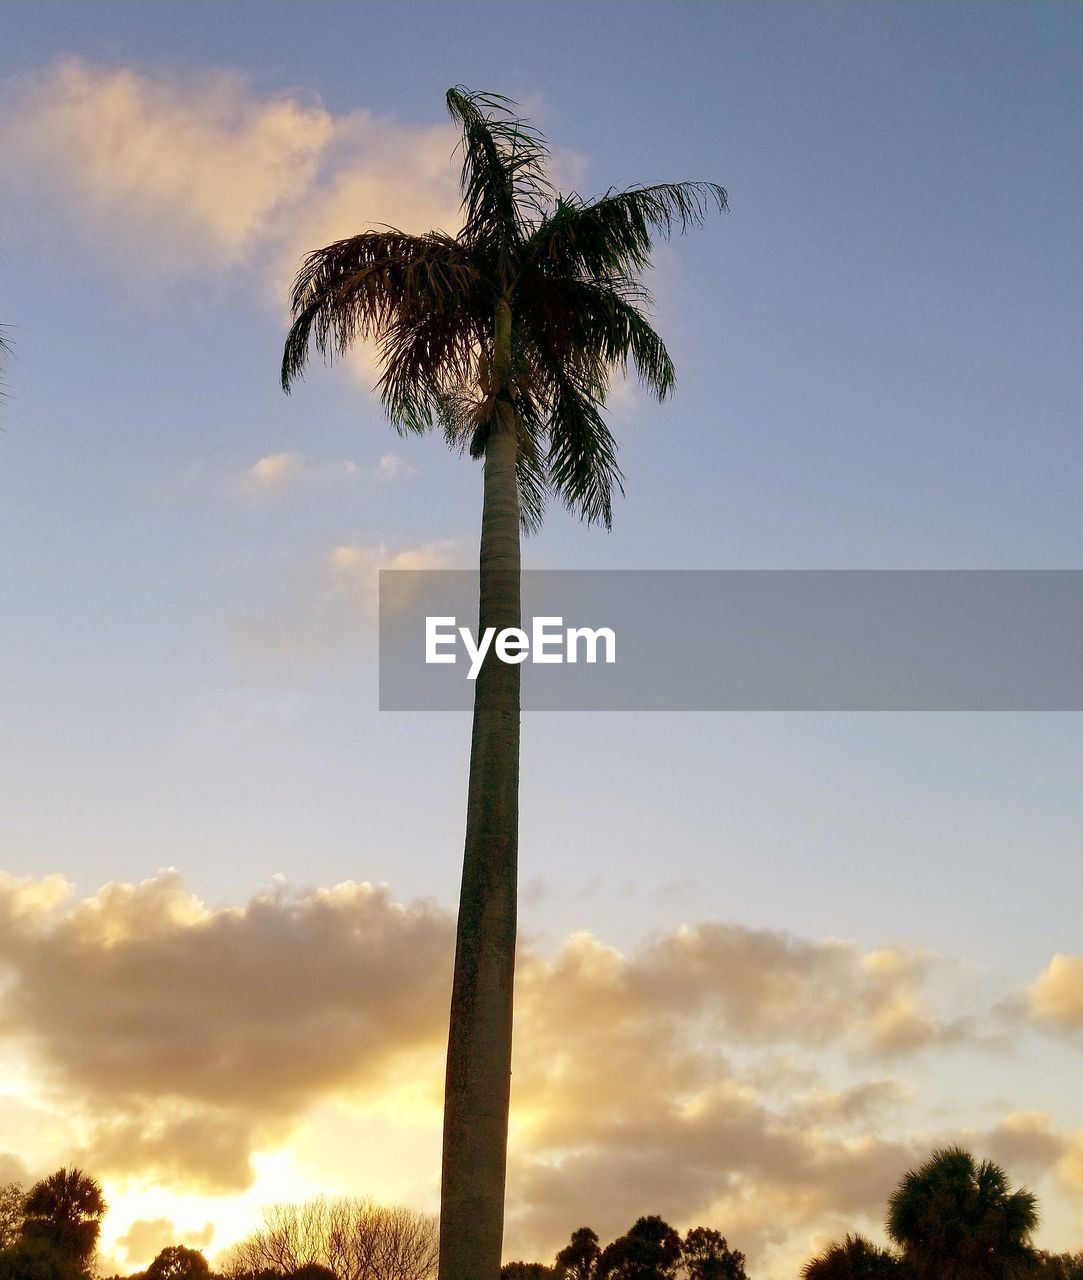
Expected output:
(176, 1262)
(63, 1212)
(567, 270)
(957, 1219)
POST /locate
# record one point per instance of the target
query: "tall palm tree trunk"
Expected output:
(478, 1081)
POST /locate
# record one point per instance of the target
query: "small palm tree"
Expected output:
(64, 1211)
(504, 335)
(855, 1258)
(956, 1219)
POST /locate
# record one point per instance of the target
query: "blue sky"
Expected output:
(877, 356)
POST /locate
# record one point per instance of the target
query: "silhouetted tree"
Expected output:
(176, 1262)
(956, 1219)
(706, 1255)
(650, 1251)
(312, 1271)
(63, 1212)
(854, 1259)
(37, 1259)
(353, 1239)
(506, 336)
(527, 1271)
(1058, 1266)
(12, 1201)
(579, 1257)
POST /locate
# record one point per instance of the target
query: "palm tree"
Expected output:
(956, 1219)
(64, 1211)
(504, 335)
(854, 1259)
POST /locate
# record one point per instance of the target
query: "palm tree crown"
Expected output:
(68, 1196)
(855, 1258)
(957, 1218)
(560, 272)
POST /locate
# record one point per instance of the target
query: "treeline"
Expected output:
(337, 1239)
(951, 1218)
(650, 1250)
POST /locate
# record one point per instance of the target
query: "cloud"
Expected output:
(1070, 1167)
(194, 169)
(654, 1079)
(715, 1073)
(147, 1237)
(194, 1034)
(331, 606)
(13, 1169)
(1056, 996)
(273, 473)
(175, 172)
(278, 474)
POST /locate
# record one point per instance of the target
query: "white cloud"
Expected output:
(190, 172)
(687, 1076)
(147, 1237)
(277, 474)
(168, 171)
(328, 611)
(1056, 995)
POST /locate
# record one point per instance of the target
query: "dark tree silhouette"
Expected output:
(956, 1219)
(1058, 1266)
(854, 1259)
(579, 1257)
(505, 335)
(64, 1213)
(706, 1255)
(176, 1262)
(312, 1271)
(527, 1271)
(650, 1251)
(35, 1259)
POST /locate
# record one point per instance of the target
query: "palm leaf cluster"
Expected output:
(958, 1219)
(567, 269)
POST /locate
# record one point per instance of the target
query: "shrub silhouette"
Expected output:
(854, 1259)
(178, 1263)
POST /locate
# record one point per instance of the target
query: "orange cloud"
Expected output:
(192, 172)
(1056, 996)
(688, 1076)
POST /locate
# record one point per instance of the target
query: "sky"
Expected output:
(768, 961)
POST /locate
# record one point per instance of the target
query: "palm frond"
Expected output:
(566, 270)
(614, 233)
(531, 462)
(359, 287)
(504, 184)
(600, 322)
(428, 359)
(582, 458)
